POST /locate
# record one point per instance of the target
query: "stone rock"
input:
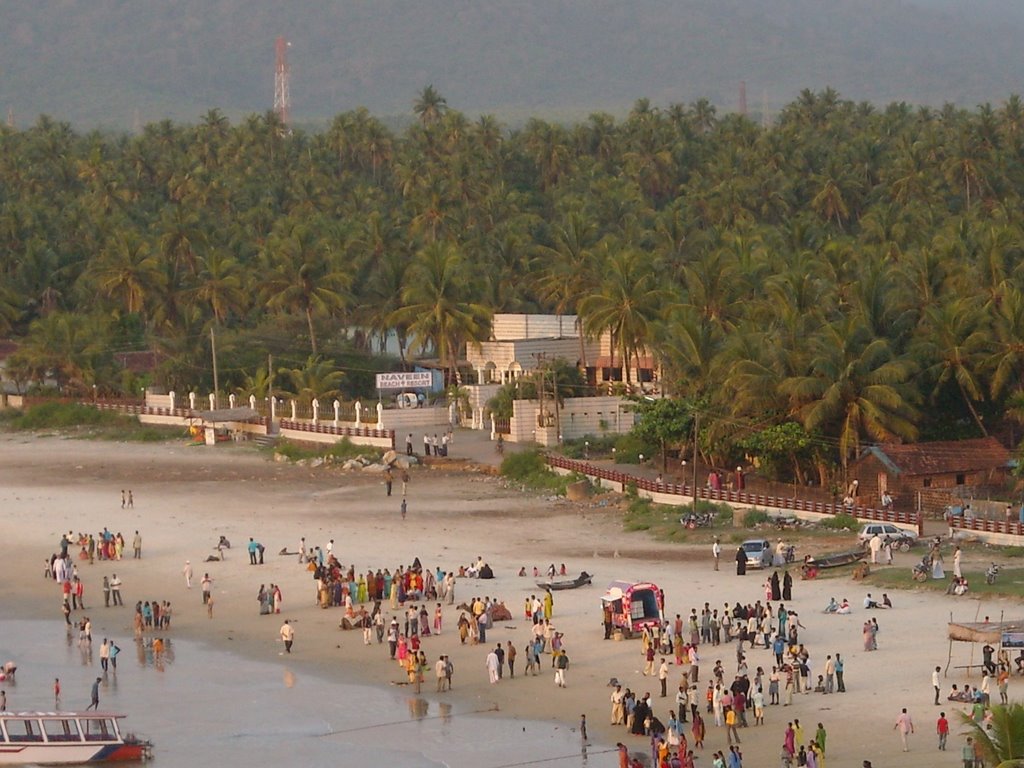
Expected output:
(375, 467)
(404, 462)
(317, 462)
(351, 464)
(577, 491)
(389, 457)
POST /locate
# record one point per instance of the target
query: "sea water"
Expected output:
(204, 707)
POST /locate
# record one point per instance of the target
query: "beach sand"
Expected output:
(186, 497)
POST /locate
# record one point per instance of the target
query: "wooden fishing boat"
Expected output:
(67, 738)
(836, 560)
(582, 580)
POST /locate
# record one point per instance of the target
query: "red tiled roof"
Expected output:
(944, 457)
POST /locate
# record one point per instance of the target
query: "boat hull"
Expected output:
(71, 754)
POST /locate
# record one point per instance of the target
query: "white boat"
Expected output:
(63, 738)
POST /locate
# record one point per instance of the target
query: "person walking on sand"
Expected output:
(95, 703)
(137, 546)
(716, 552)
(561, 664)
(124, 499)
(404, 508)
(935, 684)
(492, 667)
(905, 726)
(389, 479)
(131, 499)
(187, 572)
(287, 635)
(206, 584)
(56, 693)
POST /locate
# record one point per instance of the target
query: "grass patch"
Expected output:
(1009, 583)
(842, 522)
(58, 415)
(86, 422)
(529, 469)
(340, 451)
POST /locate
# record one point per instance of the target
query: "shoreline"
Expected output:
(186, 497)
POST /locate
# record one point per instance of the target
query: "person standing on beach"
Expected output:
(56, 692)
(287, 635)
(104, 655)
(115, 590)
(124, 499)
(253, 548)
(95, 703)
(3, 701)
(404, 508)
(935, 684)
(905, 726)
(389, 479)
(408, 444)
(137, 546)
(741, 562)
(405, 482)
(561, 664)
(492, 667)
(187, 572)
(942, 729)
(106, 592)
(716, 552)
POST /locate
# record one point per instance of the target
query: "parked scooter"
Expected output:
(991, 573)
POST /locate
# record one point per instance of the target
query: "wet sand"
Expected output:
(186, 497)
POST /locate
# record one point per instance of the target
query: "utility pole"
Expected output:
(270, 388)
(696, 433)
(558, 417)
(216, 385)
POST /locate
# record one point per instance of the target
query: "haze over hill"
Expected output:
(101, 62)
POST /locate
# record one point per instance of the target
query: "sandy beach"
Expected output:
(186, 497)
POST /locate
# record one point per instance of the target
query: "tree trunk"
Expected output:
(970, 407)
(312, 333)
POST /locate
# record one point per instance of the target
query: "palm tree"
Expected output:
(430, 106)
(128, 272)
(316, 378)
(1002, 742)
(628, 301)
(440, 303)
(856, 388)
(952, 348)
(303, 277)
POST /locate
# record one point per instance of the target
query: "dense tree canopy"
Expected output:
(852, 270)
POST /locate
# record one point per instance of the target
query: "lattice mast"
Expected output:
(282, 95)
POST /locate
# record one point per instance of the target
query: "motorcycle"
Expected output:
(992, 573)
(923, 570)
(702, 520)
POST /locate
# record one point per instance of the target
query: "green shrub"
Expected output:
(600, 447)
(841, 522)
(344, 449)
(530, 469)
(629, 447)
(522, 464)
(755, 517)
(57, 415)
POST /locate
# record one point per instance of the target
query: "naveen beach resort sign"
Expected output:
(410, 380)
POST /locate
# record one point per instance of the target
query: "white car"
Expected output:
(888, 532)
(759, 553)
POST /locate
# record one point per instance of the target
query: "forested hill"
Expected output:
(104, 62)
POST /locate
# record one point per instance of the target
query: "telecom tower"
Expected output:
(282, 96)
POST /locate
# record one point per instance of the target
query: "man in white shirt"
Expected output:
(716, 551)
(935, 684)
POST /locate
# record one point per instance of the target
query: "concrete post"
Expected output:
(316, 411)
(231, 400)
(213, 401)
(293, 410)
(359, 412)
(192, 400)
(337, 412)
(171, 396)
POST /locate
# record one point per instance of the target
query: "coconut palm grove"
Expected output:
(838, 274)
